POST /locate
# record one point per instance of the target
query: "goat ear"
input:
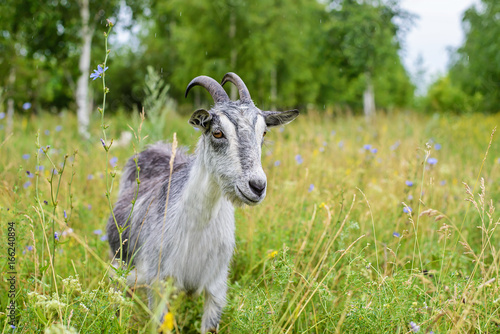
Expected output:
(275, 118)
(200, 119)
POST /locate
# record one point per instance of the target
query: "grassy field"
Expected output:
(366, 228)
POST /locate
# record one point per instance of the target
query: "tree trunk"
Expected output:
(10, 102)
(369, 97)
(274, 88)
(82, 86)
(234, 54)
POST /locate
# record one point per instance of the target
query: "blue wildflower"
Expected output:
(12, 327)
(341, 144)
(90, 177)
(65, 214)
(414, 327)
(97, 232)
(437, 147)
(407, 209)
(299, 159)
(113, 161)
(311, 187)
(333, 133)
(443, 182)
(2, 115)
(26, 105)
(395, 146)
(30, 248)
(409, 183)
(39, 168)
(396, 235)
(56, 236)
(277, 163)
(432, 161)
(367, 147)
(27, 184)
(26, 156)
(47, 132)
(103, 143)
(98, 73)
(30, 175)
(410, 197)
(104, 238)
(45, 202)
(58, 128)
(374, 150)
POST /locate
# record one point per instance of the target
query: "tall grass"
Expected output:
(330, 250)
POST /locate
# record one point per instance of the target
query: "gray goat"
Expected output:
(193, 241)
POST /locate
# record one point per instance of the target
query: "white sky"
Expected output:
(438, 28)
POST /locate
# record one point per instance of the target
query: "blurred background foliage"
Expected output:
(291, 53)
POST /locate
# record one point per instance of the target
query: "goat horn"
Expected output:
(242, 88)
(218, 93)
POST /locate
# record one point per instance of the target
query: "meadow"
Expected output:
(387, 226)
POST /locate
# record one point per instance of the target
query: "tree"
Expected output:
(475, 68)
(366, 37)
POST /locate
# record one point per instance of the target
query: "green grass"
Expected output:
(319, 261)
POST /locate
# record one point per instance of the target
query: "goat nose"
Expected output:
(257, 186)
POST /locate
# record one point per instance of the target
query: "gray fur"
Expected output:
(196, 240)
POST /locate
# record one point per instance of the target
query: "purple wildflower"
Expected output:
(407, 209)
(58, 128)
(374, 150)
(26, 184)
(299, 159)
(45, 202)
(26, 156)
(56, 236)
(311, 187)
(97, 232)
(26, 105)
(89, 207)
(410, 197)
(104, 237)
(65, 214)
(2, 115)
(103, 143)
(409, 183)
(437, 147)
(277, 163)
(432, 161)
(414, 327)
(98, 73)
(443, 182)
(396, 235)
(341, 144)
(90, 177)
(47, 132)
(30, 248)
(39, 168)
(30, 174)
(395, 146)
(367, 147)
(113, 161)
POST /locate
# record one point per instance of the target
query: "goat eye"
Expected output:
(218, 134)
(264, 134)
